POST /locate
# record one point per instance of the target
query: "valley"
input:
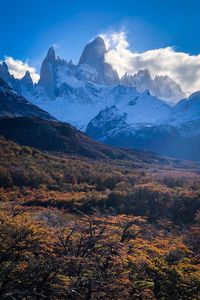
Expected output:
(99, 182)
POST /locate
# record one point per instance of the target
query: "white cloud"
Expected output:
(18, 68)
(182, 67)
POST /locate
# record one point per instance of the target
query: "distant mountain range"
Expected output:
(181, 141)
(135, 111)
(27, 124)
(162, 87)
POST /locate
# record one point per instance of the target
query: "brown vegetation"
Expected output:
(74, 228)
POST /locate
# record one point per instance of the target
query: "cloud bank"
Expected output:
(18, 68)
(181, 67)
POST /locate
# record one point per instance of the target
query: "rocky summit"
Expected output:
(135, 111)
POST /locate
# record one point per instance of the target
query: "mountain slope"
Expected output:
(185, 110)
(123, 113)
(66, 89)
(91, 98)
(111, 127)
(14, 105)
(62, 137)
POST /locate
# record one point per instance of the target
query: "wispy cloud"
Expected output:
(182, 67)
(18, 68)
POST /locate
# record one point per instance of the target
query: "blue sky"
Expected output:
(29, 27)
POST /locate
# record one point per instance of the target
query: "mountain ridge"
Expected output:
(81, 94)
(15, 105)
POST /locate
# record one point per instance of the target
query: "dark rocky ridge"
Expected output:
(64, 138)
(14, 105)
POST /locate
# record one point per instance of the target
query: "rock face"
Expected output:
(57, 76)
(79, 104)
(177, 135)
(164, 139)
(21, 86)
(62, 137)
(90, 96)
(27, 82)
(186, 116)
(107, 123)
(186, 110)
(94, 56)
(141, 81)
(162, 87)
(167, 89)
(48, 73)
(89, 87)
(10, 79)
(14, 105)
(4, 72)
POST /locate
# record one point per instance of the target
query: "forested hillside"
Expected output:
(75, 228)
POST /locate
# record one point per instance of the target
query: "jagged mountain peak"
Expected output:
(99, 43)
(141, 81)
(99, 40)
(4, 71)
(143, 72)
(51, 56)
(4, 66)
(48, 72)
(166, 88)
(10, 79)
(27, 75)
(161, 86)
(94, 50)
(94, 55)
(27, 82)
(108, 121)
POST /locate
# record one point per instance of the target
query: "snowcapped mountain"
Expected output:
(186, 116)
(124, 112)
(167, 89)
(66, 89)
(57, 75)
(177, 135)
(21, 86)
(14, 105)
(8, 78)
(26, 83)
(107, 123)
(185, 110)
(77, 93)
(162, 87)
(141, 80)
(94, 56)
(78, 105)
